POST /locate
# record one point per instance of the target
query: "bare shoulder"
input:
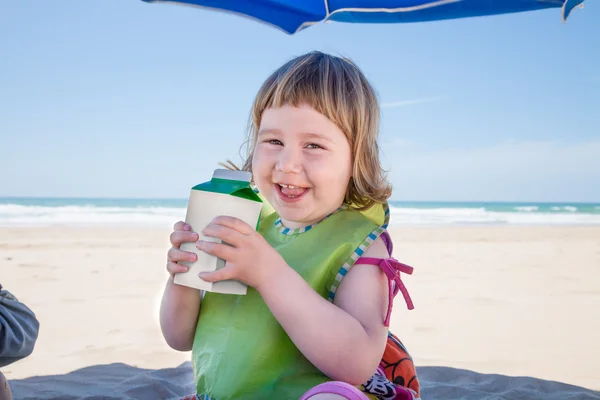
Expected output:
(377, 249)
(363, 292)
(367, 276)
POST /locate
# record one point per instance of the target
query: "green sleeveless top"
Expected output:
(240, 351)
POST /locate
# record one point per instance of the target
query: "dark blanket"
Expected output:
(121, 381)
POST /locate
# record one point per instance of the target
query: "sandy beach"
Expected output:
(517, 301)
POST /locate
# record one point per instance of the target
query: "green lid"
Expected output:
(234, 183)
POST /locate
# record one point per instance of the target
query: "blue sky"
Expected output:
(120, 98)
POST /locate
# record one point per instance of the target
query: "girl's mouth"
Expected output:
(290, 193)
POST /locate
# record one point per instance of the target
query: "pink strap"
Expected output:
(392, 269)
(387, 240)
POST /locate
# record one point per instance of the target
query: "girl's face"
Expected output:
(302, 164)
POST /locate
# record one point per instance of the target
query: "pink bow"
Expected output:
(392, 269)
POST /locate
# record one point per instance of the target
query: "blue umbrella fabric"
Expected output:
(292, 16)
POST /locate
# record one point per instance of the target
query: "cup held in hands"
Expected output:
(227, 193)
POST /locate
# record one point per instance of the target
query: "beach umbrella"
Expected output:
(292, 16)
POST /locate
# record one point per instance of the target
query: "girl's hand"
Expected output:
(249, 258)
(181, 234)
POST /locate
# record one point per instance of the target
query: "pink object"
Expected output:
(392, 269)
(340, 388)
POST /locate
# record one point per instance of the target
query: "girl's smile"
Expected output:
(290, 193)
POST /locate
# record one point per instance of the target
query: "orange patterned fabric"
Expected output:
(396, 377)
(398, 365)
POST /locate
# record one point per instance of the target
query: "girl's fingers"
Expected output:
(226, 234)
(181, 226)
(215, 276)
(181, 233)
(178, 237)
(234, 223)
(220, 250)
(175, 268)
(176, 255)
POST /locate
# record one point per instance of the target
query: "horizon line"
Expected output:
(3, 197)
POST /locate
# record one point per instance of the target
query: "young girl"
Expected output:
(314, 323)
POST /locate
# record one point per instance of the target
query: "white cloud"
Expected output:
(519, 171)
(403, 103)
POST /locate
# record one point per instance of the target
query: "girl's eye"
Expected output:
(314, 146)
(274, 141)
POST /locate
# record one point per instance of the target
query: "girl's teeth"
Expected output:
(291, 190)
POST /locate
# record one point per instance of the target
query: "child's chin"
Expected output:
(291, 216)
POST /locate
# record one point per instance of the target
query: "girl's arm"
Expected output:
(344, 340)
(180, 305)
(179, 310)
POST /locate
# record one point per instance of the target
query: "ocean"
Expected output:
(164, 212)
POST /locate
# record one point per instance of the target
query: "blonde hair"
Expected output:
(336, 88)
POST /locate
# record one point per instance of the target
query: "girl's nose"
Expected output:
(289, 161)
